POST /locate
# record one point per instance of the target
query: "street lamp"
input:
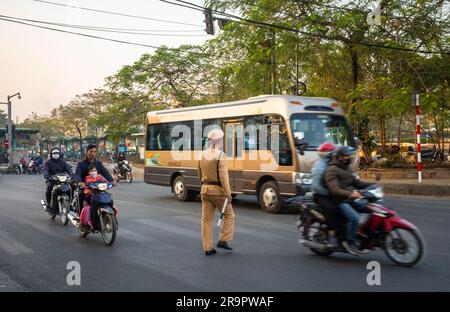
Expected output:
(10, 149)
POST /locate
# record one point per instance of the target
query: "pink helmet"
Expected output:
(326, 147)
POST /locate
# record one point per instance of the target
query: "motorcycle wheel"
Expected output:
(405, 247)
(109, 229)
(129, 177)
(64, 211)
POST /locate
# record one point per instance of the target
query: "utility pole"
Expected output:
(10, 147)
(297, 87)
(419, 154)
(273, 61)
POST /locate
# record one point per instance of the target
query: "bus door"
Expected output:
(234, 148)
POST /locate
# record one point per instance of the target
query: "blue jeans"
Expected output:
(352, 217)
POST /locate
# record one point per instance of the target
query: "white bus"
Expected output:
(264, 141)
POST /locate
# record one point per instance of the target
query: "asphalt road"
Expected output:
(158, 248)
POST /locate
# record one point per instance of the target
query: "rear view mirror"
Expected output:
(301, 146)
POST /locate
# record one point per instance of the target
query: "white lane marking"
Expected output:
(170, 228)
(134, 236)
(240, 230)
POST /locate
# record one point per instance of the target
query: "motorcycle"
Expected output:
(106, 213)
(61, 197)
(33, 168)
(379, 227)
(123, 172)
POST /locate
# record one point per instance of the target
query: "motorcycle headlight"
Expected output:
(62, 178)
(103, 186)
(125, 162)
(378, 192)
(303, 178)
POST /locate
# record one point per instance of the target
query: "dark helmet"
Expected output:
(344, 151)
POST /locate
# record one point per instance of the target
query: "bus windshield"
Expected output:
(316, 129)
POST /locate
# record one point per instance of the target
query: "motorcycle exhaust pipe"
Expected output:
(313, 245)
(72, 219)
(44, 205)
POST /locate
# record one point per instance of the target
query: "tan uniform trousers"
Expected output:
(209, 205)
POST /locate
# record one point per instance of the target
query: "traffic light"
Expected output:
(222, 22)
(209, 22)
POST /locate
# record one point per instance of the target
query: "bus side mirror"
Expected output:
(301, 146)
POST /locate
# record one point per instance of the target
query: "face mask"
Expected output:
(55, 156)
(93, 174)
(345, 162)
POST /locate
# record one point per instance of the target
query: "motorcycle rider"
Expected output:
(54, 165)
(38, 161)
(321, 193)
(83, 166)
(22, 164)
(342, 183)
(120, 159)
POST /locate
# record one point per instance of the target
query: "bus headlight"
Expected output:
(303, 178)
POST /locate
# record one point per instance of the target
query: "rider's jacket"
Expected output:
(55, 166)
(83, 167)
(317, 173)
(341, 182)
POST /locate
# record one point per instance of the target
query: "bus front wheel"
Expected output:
(180, 190)
(269, 197)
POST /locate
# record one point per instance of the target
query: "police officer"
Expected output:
(213, 173)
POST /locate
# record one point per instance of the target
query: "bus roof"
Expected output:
(262, 104)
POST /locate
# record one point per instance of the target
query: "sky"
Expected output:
(50, 68)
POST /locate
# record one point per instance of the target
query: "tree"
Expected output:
(47, 126)
(75, 116)
(95, 103)
(175, 77)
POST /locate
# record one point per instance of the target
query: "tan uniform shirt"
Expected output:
(207, 171)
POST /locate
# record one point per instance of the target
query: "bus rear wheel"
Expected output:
(181, 192)
(269, 197)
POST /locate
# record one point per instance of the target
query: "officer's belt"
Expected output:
(210, 183)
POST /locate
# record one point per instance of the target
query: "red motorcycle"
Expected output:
(379, 227)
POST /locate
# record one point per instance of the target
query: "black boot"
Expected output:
(224, 245)
(210, 252)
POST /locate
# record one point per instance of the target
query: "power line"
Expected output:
(322, 36)
(115, 13)
(80, 34)
(100, 28)
(136, 29)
